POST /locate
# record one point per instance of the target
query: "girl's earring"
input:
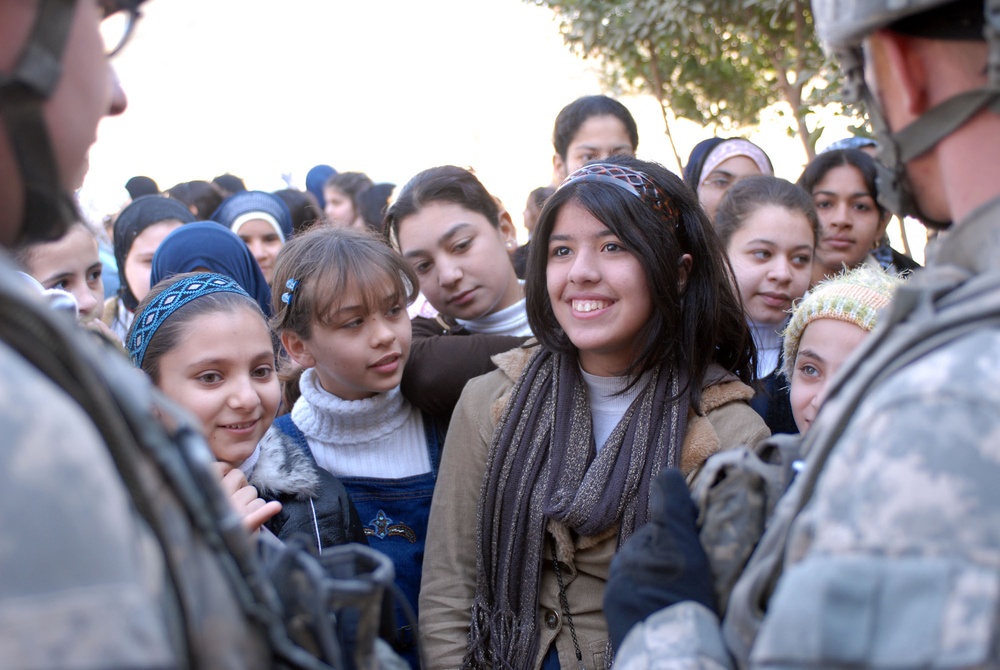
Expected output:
(510, 245)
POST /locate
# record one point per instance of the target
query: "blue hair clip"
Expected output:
(291, 285)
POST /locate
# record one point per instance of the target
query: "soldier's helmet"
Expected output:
(48, 208)
(842, 25)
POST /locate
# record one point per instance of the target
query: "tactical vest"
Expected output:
(936, 307)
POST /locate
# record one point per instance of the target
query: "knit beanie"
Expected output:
(855, 296)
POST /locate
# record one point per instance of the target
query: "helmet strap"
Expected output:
(48, 208)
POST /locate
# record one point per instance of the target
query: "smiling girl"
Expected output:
(642, 365)
(340, 309)
(205, 343)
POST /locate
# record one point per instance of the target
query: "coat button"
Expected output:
(551, 619)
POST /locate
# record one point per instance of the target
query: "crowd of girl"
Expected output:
(499, 445)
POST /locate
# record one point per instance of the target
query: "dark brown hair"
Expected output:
(446, 183)
(751, 193)
(692, 326)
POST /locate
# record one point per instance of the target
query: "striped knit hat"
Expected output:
(855, 296)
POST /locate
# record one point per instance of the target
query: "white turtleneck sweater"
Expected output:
(511, 320)
(607, 404)
(381, 437)
(767, 337)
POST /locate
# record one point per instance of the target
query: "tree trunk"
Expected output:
(657, 78)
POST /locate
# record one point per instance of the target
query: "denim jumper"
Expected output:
(394, 513)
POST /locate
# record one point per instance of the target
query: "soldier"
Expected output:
(885, 551)
(117, 547)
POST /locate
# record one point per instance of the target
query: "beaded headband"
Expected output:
(169, 301)
(632, 181)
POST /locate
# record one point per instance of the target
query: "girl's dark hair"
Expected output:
(174, 328)
(446, 183)
(371, 203)
(323, 264)
(304, 207)
(692, 326)
(573, 115)
(539, 195)
(349, 183)
(24, 251)
(749, 194)
(204, 196)
(828, 160)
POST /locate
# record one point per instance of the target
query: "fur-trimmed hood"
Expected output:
(283, 468)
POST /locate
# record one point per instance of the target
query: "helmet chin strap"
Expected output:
(895, 190)
(48, 208)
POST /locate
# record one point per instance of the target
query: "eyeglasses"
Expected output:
(120, 17)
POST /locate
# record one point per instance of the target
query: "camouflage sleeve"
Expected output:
(684, 636)
(82, 577)
(896, 560)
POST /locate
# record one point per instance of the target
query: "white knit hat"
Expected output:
(855, 296)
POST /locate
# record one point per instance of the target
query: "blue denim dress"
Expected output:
(394, 513)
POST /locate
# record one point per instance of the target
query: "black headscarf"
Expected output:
(140, 214)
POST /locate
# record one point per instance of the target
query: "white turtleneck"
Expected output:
(767, 337)
(381, 437)
(607, 404)
(511, 320)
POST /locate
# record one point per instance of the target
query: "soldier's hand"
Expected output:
(662, 564)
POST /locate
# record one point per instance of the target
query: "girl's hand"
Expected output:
(253, 510)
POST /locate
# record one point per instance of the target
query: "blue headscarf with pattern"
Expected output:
(175, 296)
(207, 245)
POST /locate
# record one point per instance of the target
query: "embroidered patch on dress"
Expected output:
(382, 527)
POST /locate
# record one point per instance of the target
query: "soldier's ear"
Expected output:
(902, 60)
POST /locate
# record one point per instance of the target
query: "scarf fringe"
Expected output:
(490, 634)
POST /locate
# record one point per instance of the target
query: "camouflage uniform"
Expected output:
(886, 549)
(62, 497)
(105, 556)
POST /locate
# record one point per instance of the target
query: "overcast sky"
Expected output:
(264, 89)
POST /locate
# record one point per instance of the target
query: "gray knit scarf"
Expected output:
(543, 465)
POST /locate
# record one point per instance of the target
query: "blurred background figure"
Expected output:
(536, 199)
(229, 184)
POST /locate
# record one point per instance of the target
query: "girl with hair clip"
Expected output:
(205, 343)
(456, 239)
(340, 310)
(842, 185)
(769, 230)
(644, 362)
